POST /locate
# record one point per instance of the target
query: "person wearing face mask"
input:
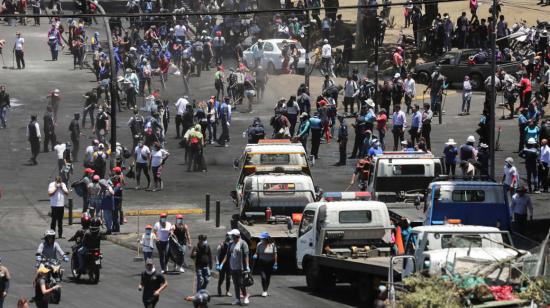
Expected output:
(238, 261)
(266, 260)
(152, 284)
(181, 232)
(203, 262)
(162, 230)
(223, 268)
(147, 242)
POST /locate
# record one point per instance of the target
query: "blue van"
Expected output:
(473, 202)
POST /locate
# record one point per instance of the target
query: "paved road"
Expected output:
(23, 206)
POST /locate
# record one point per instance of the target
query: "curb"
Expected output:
(150, 212)
(128, 245)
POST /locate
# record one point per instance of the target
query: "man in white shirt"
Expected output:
(544, 164)
(181, 106)
(142, 155)
(409, 85)
(326, 54)
(180, 31)
(510, 177)
(59, 149)
(399, 124)
(19, 52)
(57, 191)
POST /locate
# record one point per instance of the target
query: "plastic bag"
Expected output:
(502, 293)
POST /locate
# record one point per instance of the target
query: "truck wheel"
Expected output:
(423, 77)
(312, 277)
(364, 291)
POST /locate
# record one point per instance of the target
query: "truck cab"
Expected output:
(343, 228)
(277, 156)
(473, 202)
(441, 246)
(394, 176)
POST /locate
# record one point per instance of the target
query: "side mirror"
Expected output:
(417, 202)
(236, 163)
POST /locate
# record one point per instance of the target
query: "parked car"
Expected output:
(272, 59)
(455, 65)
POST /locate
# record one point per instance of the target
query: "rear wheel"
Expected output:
(312, 277)
(94, 275)
(423, 77)
(74, 267)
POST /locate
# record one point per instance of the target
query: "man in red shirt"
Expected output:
(525, 86)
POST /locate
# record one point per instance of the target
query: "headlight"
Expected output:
(427, 264)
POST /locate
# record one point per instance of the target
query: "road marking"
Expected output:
(150, 212)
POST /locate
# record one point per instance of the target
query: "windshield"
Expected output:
(438, 240)
(276, 159)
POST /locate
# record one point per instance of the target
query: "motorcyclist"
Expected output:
(49, 248)
(361, 172)
(85, 221)
(90, 241)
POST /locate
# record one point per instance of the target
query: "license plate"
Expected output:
(98, 262)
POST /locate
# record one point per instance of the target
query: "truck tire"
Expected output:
(312, 277)
(423, 77)
(364, 290)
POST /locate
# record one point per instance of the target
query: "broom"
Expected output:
(138, 257)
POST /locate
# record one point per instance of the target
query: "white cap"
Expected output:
(370, 102)
(235, 232)
(471, 139)
(509, 160)
(531, 141)
(397, 75)
(450, 141)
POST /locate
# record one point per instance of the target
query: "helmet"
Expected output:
(49, 233)
(101, 146)
(95, 178)
(509, 160)
(179, 216)
(531, 141)
(85, 220)
(95, 223)
(471, 139)
(325, 41)
(117, 169)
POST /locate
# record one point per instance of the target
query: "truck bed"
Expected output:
(406, 210)
(276, 231)
(378, 266)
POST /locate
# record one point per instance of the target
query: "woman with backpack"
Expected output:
(265, 260)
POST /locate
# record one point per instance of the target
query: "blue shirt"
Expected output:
(417, 120)
(522, 119)
(450, 152)
(375, 151)
(532, 133)
(315, 123)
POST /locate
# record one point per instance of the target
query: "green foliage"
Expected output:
(537, 290)
(429, 292)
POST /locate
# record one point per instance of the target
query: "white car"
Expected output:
(272, 59)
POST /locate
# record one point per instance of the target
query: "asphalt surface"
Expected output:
(24, 202)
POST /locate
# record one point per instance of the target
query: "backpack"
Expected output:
(137, 126)
(99, 162)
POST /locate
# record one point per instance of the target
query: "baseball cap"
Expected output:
(235, 232)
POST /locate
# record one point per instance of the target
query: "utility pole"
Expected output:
(376, 47)
(112, 85)
(492, 113)
(307, 28)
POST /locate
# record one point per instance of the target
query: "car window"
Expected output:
(268, 46)
(408, 170)
(460, 241)
(307, 222)
(468, 196)
(355, 217)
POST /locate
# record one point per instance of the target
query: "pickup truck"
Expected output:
(455, 65)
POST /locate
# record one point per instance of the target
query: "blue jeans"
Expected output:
(203, 276)
(435, 100)
(108, 219)
(54, 51)
(81, 254)
(3, 112)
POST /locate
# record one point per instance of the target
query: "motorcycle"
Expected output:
(55, 275)
(92, 267)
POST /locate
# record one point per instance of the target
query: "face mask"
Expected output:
(147, 232)
(204, 242)
(179, 221)
(163, 220)
(150, 270)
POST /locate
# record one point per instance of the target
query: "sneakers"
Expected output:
(182, 270)
(236, 302)
(246, 301)
(227, 293)
(264, 294)
(163, 272)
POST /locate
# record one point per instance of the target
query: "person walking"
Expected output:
(33, 135)
(521, 207)
(316, 128)
(147, 242)
(181, 232)
(544, 165)
(4, 105)
(142, 155)
(18, 49)
(531, 156)
(427, 116)
(409, 87)
(265, 260)
(152, 284)
(399, 124)
(222, 265)
(57, 190)
(303, 130)
(158, 159)
(342, 140)
(162, 230)
(5, 278)
(74, 129)
(510, 177)
(450, 152)
(416, 124)
(466, 95)
(239, 263)
(224, 115)
(203, 262)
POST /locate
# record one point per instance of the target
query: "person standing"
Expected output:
(162, 230)
(49, 129)
(466, 95)
(342, 140)
(239, 263)
(18, 49)
(316, 128)
(381, 126)
(57, 190)
(265, 260)
(450, 152)
(152, 284)
(5, 278)
(510, 178)
(158, 159)
(261, 78)
(142, 155)
(224, 115)
(416, 124)
(33, 135)
(409, 87)
(74, 129)
(4, 105)
(521, 206)
(544, 165)
(427, 116)
(203, 262)
(351, 90)
(181, 232)
(531, 156)
(399, 124)
(222, 265)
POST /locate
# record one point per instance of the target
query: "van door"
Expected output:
(306, 237)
